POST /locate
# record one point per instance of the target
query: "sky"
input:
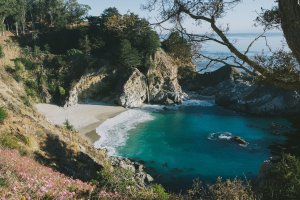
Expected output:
(240, 19)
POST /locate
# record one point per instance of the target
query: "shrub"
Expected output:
(178, 47)
(61, 91)
(160, 192)
(282, 179)
(3, 114)
(68, 125)
(117, 180)
(10, 141)
(1, 52)
(231, 189)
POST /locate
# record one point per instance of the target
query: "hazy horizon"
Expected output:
(246, 12)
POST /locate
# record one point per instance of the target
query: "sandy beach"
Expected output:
(84, 117)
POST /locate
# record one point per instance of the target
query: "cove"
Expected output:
(180, 144)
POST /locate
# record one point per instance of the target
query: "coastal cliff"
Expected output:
(132, 88)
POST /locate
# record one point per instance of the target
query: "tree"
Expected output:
(76, 11)
(178, 47)
(129, 56)
(289, 13)
(6, 9)
(210, 11)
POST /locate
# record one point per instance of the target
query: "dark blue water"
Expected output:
(179, 146)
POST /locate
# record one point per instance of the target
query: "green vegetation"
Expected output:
(3, 114)
(69, 126)
(178, 47)
(8, 140)
(282, 179)
(1, 52)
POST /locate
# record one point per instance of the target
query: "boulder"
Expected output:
(134, 91)
(238, 140)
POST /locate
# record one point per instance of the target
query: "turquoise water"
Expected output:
(178, 146)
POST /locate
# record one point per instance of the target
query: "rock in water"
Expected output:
(134, 90)
(239, 140)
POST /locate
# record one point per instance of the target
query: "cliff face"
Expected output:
(162, 80)
(86, 87)
(134, 90)
(262, 99)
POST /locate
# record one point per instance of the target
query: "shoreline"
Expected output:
(85, 118)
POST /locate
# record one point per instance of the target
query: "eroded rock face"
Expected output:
(134, 90)
(244, 96)
(87, 82)
(162, 80)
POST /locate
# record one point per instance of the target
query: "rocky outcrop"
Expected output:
(253, 98)
(190, 80)
(87, 82)
(134, 91)
(140, 176)
(162, 80)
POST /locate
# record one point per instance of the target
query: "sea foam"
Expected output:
(113, 132)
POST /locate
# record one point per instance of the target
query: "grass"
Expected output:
(10, 141)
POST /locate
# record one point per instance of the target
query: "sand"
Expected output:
(85, 118)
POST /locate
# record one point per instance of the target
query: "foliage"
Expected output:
(229, 189)
(281, 180)
(129, 56)
(68, 125)
(8, 140)
(3, 114)
(178, 47)
(117, 180)
(1, 52)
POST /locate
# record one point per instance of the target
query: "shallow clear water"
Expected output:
(177, 145)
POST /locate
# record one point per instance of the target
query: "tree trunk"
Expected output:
(17, 29)
(290, 23)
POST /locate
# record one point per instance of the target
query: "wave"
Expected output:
(114, 131)
(220, 136)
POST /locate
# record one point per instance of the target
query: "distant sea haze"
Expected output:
(241, 41)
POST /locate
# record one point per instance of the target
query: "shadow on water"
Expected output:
(77, 165)
(292, 143)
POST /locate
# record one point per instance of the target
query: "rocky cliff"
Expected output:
(131, 88)
(242, 93)
(134, 91)
(163, 79)
(85, 87)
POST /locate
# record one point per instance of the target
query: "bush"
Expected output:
(178, 47)
(10, 141)
(117, 180)
(281, 180)
(1, 52)
(3, 114)
(69, 126)
(129, 56)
